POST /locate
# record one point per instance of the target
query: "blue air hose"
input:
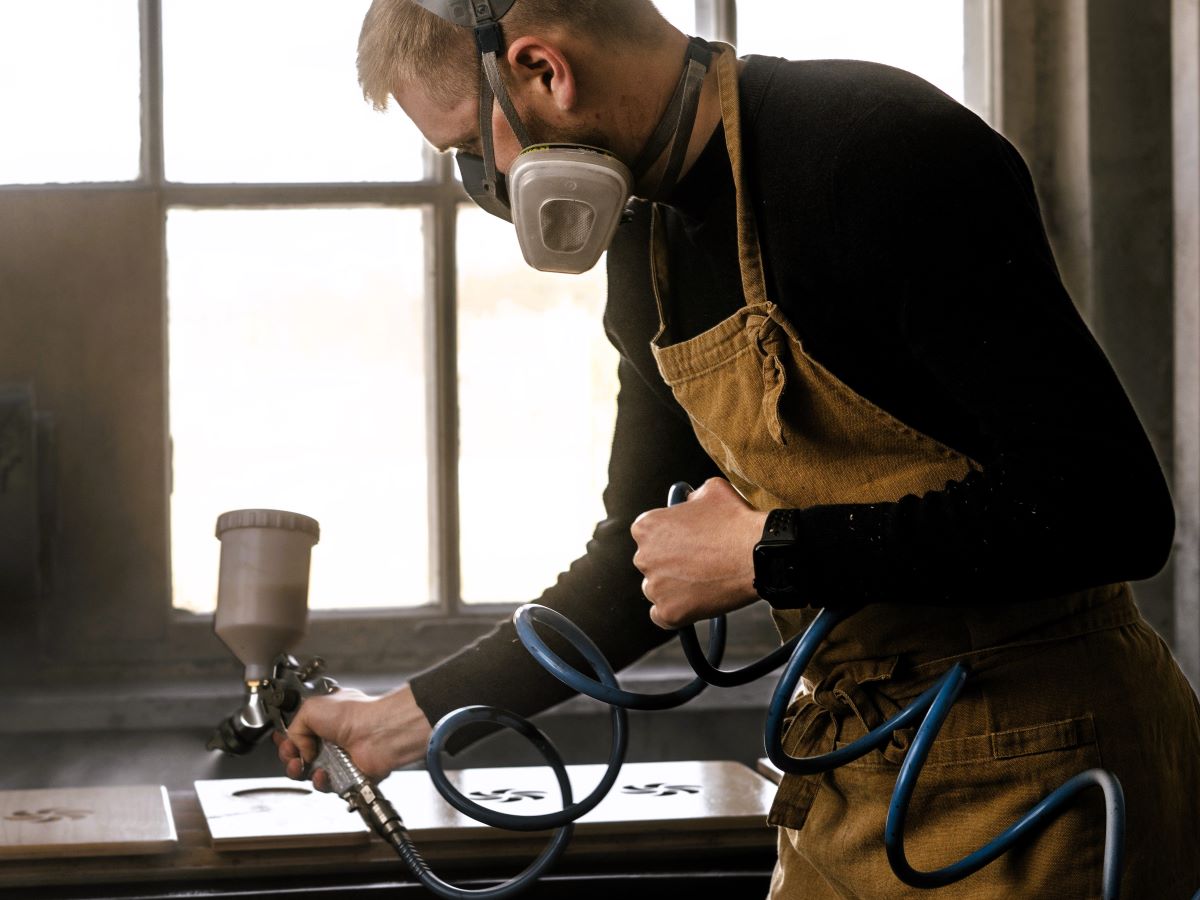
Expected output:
(929, 710)
(399, 837)
(562, 820)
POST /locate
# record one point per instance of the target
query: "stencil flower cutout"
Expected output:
(48, 815)
(506, 795)
(659, 789)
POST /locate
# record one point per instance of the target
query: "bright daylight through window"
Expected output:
(298, 382)
(283, 105)
(59, 127)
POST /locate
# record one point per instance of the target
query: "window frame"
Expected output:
(170, 643)
(350, 639)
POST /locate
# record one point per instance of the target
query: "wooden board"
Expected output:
(103, 821)
(647, 797)
(667, 795)
(258, 813)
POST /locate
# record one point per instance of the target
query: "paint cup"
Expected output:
(262, 596)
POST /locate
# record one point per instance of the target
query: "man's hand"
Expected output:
(698, 557)
(380, 733)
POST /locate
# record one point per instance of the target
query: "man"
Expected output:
(843, 305)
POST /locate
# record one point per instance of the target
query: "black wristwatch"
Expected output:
(775, 559)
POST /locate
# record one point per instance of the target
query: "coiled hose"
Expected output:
(929, 710)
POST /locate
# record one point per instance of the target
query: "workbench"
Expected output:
(642, 862)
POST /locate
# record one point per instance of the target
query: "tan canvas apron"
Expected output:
(1056, 686)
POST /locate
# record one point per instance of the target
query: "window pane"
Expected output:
(924, 37)
(537, 392)
(69, 88)
(268, 92)
(297, 381)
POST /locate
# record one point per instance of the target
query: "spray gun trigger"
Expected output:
(325, 685)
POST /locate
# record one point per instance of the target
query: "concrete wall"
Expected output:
(1083, 88)
(82, 320)
(1186, 93)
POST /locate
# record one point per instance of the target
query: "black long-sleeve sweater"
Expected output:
(902, 237)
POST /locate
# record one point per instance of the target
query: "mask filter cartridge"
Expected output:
(567, 201)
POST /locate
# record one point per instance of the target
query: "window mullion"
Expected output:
(717, 19)
(150, 21)
(441, 330)
(980, 58)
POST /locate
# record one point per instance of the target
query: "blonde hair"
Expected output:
(401, 41)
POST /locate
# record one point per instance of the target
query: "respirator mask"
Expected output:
(566, 200)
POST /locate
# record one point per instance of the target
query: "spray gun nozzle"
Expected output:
(234, 737)
(242, 731)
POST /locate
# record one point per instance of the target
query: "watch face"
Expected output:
(774, 568)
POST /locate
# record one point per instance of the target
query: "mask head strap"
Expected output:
(468, 13)
(483, 16)
(680, 111)
(485, 185)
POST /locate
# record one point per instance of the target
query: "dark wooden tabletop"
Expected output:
(663, 859)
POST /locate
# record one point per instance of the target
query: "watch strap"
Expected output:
(780, 527)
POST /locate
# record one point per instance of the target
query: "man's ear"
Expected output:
(540, 72)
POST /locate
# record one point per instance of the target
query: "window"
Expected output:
(283, 105)
(347, 335)
(530, 351)
(297, 382)
(925, 38)
(56, 129)
(297, 285)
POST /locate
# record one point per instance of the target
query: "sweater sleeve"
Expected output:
(653, 446)
(1070, 494)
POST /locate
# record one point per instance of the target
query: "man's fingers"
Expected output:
(286, 749)
(297, 771)
(300, 735)
(293, 751)
(292, 746)
(716, 488)
(657, 617)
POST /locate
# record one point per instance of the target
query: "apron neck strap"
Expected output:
(754, 289)
(754, 283)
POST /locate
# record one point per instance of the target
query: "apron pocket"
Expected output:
(1044, 738)
(969, 791)
(1015, 742)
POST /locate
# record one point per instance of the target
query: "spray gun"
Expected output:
(262, 613)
